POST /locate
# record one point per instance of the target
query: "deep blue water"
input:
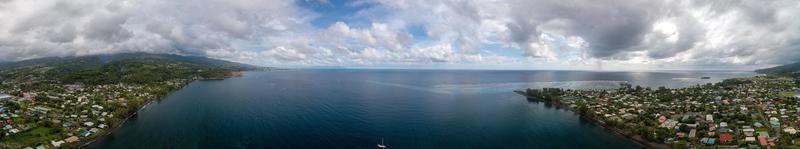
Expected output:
(355, 108)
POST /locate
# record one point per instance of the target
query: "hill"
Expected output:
(135, 68)
(106, 90)
(790, 70)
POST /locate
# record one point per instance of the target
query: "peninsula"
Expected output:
(754, 112)
(67, 102)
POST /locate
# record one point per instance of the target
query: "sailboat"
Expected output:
(381, 145)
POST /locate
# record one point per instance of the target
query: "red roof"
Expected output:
(725, 137)
(762, 140)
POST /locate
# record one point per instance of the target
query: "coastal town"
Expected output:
(52, 115)
(755, 112)
(70, 102)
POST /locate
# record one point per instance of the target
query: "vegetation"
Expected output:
(134, 68)
(547, 94)
(54, 99)
(790, 70)
(693, 117)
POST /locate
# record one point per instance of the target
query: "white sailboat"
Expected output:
(381, 145)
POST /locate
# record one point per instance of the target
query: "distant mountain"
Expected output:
(106, 58)
(792, 70)
(120, 68)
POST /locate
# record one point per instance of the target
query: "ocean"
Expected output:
(352, 108)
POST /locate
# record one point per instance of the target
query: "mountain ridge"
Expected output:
(789, 70)
(139, 68)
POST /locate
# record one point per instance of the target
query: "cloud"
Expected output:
(663, 32)
(63, 28)
(379, 35)
(586, 33)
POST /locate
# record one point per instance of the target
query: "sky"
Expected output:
(429, 34)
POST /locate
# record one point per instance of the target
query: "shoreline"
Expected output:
(128, 118)
(613, 130)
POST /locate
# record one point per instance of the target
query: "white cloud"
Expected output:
(379, 35)
(61, 28)
(575, 34)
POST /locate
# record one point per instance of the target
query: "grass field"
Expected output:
(787, 94)
(35, 135)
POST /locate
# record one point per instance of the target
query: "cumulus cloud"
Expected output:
(536, 32)
(62, 28)
(648, 32)
(379, 35)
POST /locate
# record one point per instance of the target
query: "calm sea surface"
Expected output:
(355, 108)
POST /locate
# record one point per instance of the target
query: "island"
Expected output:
(68, 102)
(754, 112)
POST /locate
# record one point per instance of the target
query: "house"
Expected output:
(763, 134)
(66, 124)
(628, 116)
(711, 141)
(724, 129)
(13, 131)
(748, 131)
(71, 139)
(41, 109)
(790, 130)
(775, 124)
(750, 139)
(57, 143)
(685, 118)
(797, 93)
(765, 141)
(723, 137)
(85, 133)
(29, 96)
(5, 97)
(758, 125)
(670, 124)
(709, 118)
(692, 133)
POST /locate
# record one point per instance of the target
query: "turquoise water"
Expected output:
(355, 108)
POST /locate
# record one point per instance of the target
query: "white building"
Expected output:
(5, 96)
(790, 130)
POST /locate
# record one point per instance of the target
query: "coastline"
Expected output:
(144, 106)
(127, 118)
(613, 130)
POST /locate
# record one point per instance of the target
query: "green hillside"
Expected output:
(135, 68)
(790, 70)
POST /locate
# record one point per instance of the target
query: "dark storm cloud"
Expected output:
(608, 27)
(108, 28)
(733, 31)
